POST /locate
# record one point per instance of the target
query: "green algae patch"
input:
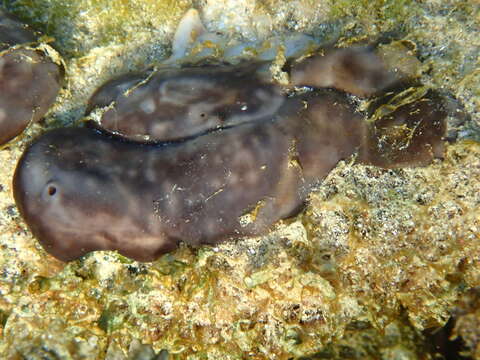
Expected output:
(79, 26)
(372, 15)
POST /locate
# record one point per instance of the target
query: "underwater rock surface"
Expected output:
(383, 252)
(29, 79)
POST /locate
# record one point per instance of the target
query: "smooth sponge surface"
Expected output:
(86, 189)
(29, 79)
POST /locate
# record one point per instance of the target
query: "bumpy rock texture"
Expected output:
(378, 256)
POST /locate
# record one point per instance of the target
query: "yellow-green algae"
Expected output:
(390, 249)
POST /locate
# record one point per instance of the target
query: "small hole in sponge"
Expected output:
(52, 190)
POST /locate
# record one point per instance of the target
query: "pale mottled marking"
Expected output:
(148, 106)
